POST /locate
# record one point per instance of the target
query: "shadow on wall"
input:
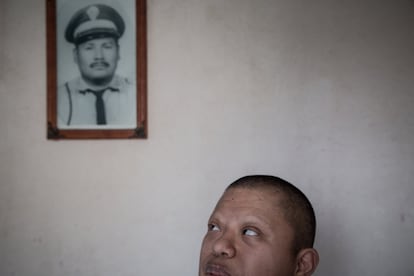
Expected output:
(332, 245)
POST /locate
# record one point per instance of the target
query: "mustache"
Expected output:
(99, 63)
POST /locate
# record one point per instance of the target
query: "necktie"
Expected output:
(100, 107)
(99, 104)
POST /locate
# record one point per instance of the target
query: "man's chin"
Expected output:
(99, 79)
(101, 75)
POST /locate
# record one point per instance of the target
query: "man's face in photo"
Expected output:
(97, 59)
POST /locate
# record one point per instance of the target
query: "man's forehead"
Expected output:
(249, 205)
(249, 198)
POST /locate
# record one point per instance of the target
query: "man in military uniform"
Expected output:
(98, 96)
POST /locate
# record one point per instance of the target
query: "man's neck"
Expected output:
(97, 84)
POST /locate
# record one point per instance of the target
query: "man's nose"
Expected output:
(224, 246)
(98, 53)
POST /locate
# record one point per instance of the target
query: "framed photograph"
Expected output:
(96, 69)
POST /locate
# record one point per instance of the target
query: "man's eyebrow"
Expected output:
(249, 219)
(109, 42)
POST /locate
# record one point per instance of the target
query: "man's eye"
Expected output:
(108, 46)
(213, 227)
(250, 232)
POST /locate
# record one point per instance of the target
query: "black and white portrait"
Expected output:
(96, 64)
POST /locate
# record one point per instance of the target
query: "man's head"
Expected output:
(95, 30)
(261, 226)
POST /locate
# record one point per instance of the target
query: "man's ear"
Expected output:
(306, 262)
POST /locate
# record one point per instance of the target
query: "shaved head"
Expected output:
(293, 203)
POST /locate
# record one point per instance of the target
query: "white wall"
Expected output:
(318, 92)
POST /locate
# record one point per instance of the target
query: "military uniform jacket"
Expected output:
(76, 107)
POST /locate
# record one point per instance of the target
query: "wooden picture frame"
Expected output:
(71, 115)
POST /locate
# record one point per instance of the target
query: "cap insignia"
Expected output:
(93, 12)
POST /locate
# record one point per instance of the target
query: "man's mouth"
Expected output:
(216, 270)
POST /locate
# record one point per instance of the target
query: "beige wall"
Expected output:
(317, 92)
